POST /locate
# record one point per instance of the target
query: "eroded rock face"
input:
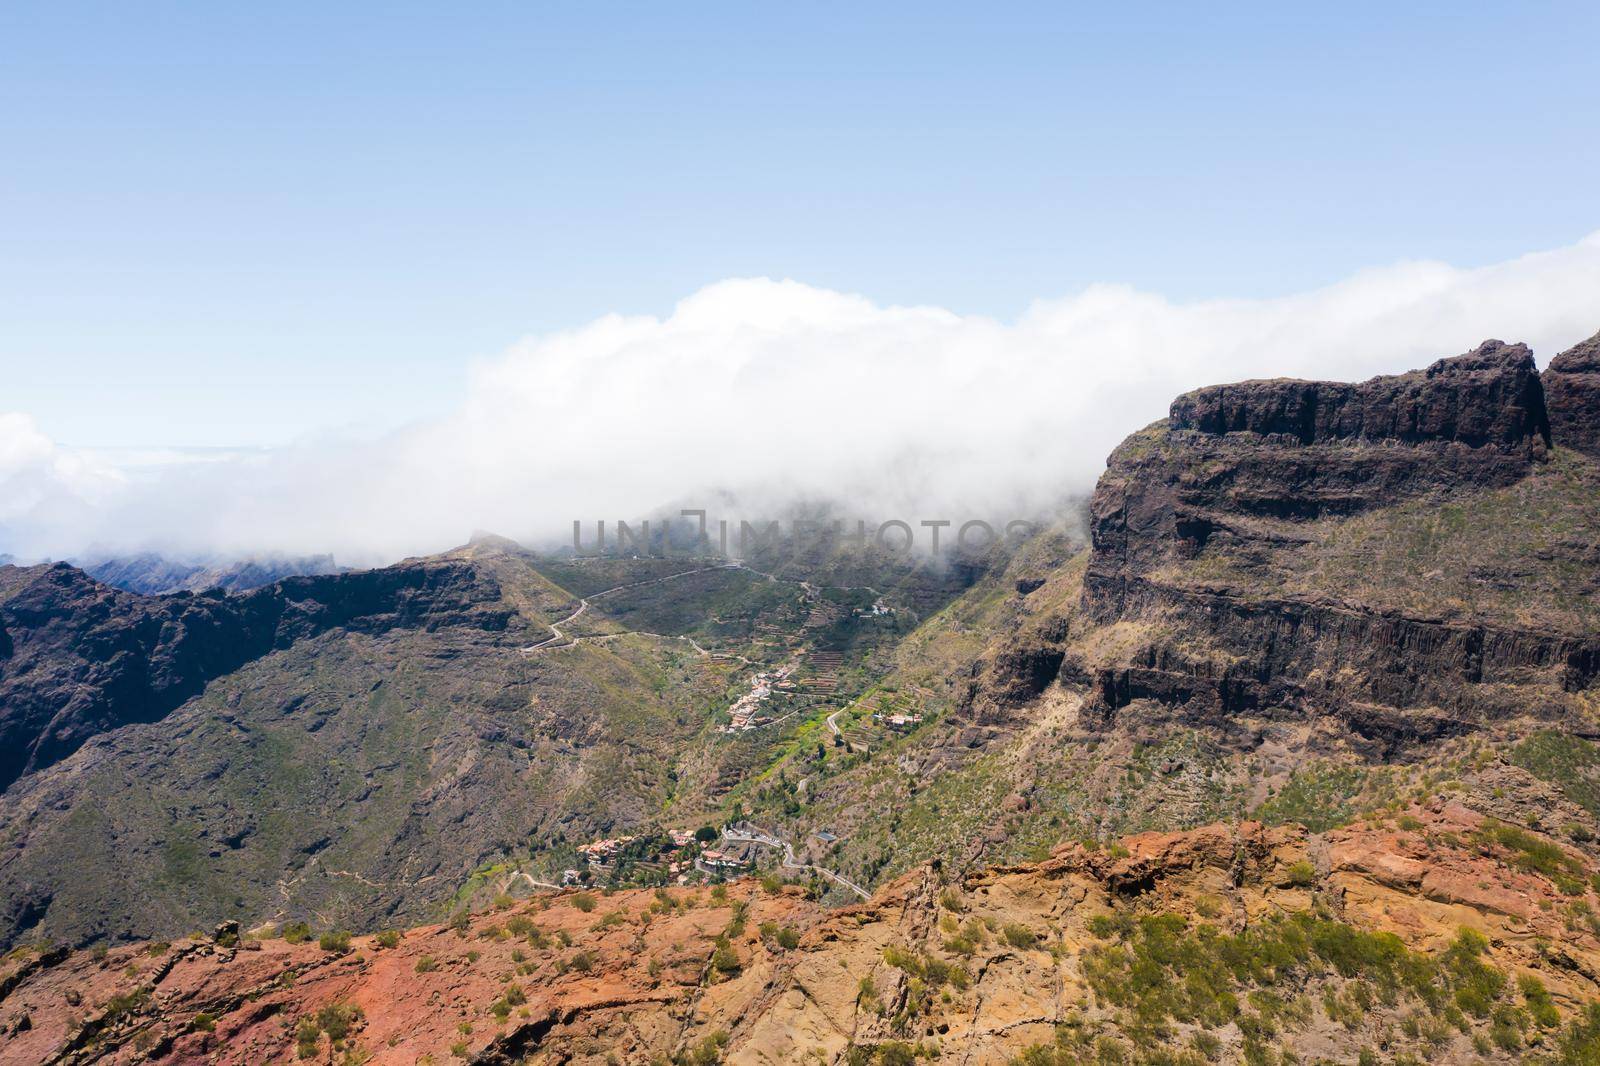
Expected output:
(1239, 470)
(1489, 396)
(1298, 450)
(1572, 393)
(78, 658)
(768, 978)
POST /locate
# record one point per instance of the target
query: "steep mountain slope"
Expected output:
(1304, 600)
(1432, 936)
(353, 747)
(78, 658)
(1342, 638)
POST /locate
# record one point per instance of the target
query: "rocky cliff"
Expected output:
(1236, 546)
(1572, 391)
(78, 658)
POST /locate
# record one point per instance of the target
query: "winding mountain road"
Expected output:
(766, 839)
(559, 639)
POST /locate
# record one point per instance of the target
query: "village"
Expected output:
(681, 856)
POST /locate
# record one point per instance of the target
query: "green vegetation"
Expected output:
(1161, 970)
(337, 1020)
(1319, 796)
(1019, 936)
(335, 940)
(1534, 854)
(1571, 763)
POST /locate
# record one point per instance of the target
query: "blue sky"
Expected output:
(236, 224)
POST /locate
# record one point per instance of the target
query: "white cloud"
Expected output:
(45, 489)
(776, 388)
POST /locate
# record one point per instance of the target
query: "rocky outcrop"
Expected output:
(78, 658)
(1572, 393)
(1488, 397)
(1238, 471)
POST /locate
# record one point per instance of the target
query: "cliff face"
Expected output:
(1490, 396)
(1207, 526)
(1572, 391)
(78, 658)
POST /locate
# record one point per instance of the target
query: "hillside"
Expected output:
(1294, 760)
(352, 748)
(1431, 935)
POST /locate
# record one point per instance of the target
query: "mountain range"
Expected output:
(1285, 752)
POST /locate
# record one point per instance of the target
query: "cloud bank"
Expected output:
(777, 390)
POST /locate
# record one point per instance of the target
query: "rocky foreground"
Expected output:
(1430, 932)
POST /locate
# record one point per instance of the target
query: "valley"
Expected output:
(1288, 751)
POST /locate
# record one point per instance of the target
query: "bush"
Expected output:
(1019, 936)
(335, 940)
(709, 1051)
(427, 964)
(583, 901)
(1537, 998)
(724, 959)
(296, 933)
(1302, 874)
(389, 938)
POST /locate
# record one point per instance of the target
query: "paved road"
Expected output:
(759, 836)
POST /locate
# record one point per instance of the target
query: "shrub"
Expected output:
(709, 1051)
(584, 901)
(427, 964)
(296, 933)
(337, 1019)
(389, 938)
(724, 959)
(335, 940)
(1302, 874)
(1019, 936)
(1538, 1000)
